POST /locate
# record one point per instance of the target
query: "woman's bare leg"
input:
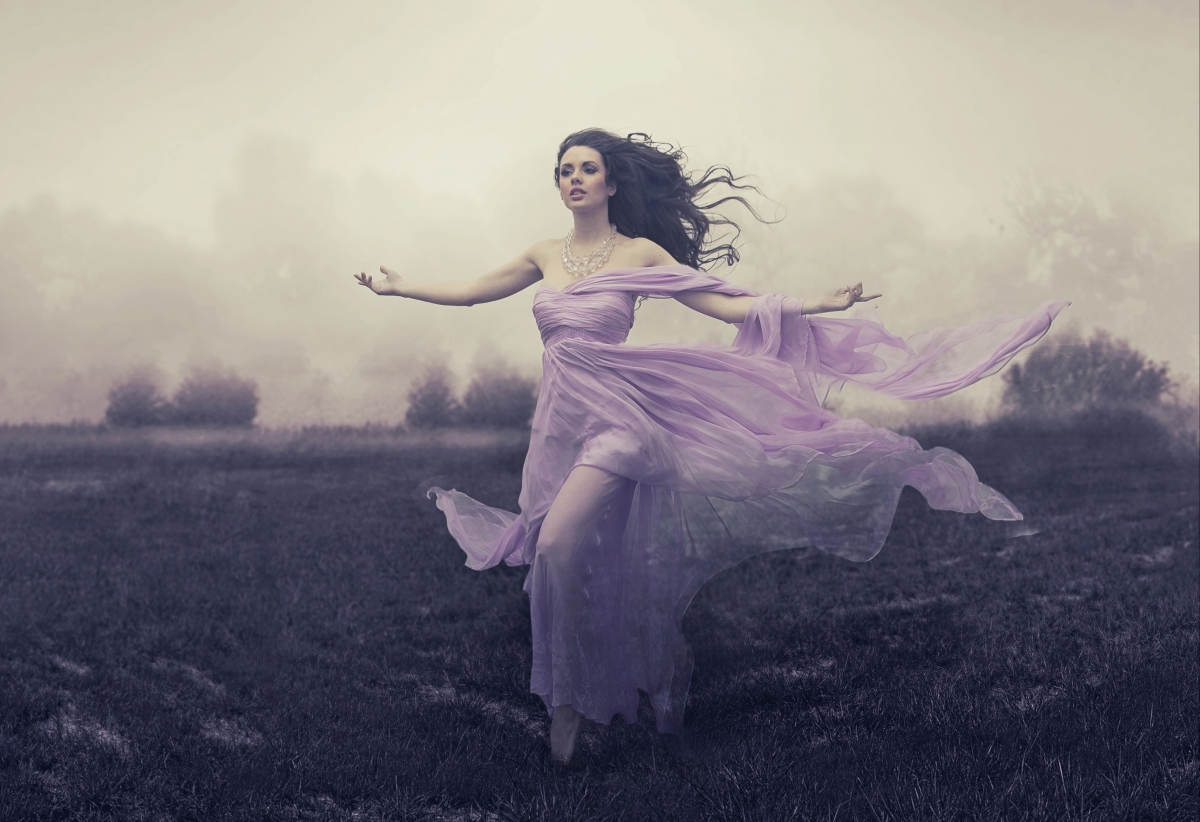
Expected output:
(563, 729)
(588, 494)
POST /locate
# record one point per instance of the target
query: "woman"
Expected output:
(651, 469)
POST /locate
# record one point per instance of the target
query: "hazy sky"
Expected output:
(195, 182)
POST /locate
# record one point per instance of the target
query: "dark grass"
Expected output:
(269, 628)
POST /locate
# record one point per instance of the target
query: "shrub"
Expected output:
(217, 398)
(136, 402)
(499, 399)
(1072, 375)
(431, 402)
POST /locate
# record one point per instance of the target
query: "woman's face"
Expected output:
(582, 183)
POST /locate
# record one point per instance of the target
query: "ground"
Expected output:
(278, 627)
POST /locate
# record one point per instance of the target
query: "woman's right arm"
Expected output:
(497, 284)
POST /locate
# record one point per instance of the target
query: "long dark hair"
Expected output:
(658, 199)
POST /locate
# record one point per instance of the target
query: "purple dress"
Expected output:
(718, 454)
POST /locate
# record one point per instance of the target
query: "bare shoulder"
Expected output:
(647, 252)
(543, 252)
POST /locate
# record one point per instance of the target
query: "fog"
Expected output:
(196, 183)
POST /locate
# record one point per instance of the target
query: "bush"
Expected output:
(215, 398)
(1071, 375)
(136, 402)
(499, 399)
(431, 402)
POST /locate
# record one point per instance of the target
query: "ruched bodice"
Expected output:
(604, 316)
(599, 307)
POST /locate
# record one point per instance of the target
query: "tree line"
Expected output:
(1068, 378)
(495, 398)
(206, 397)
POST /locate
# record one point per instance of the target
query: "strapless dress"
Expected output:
(726, 452)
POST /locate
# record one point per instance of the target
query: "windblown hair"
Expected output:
(658, 199)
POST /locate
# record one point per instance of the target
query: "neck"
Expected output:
(591, 227)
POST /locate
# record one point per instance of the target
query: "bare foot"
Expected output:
(563, 729)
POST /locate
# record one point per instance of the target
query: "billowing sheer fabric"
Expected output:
(709, 455)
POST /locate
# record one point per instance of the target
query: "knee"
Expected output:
(554, 549)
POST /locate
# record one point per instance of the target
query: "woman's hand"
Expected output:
(389, 286)
(839, 299)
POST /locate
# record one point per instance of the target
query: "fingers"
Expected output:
(855, 293)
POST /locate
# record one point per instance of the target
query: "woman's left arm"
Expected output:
(733, 309)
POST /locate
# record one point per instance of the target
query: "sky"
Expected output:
(195, 183)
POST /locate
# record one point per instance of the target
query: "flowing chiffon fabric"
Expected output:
(716, 454)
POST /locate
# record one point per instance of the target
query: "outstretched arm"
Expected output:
(497, 284)
(733, 309)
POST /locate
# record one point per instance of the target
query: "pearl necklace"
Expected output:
(583, 266)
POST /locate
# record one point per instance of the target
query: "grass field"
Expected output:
(278, 627)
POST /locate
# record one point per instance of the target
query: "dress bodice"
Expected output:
(599, 307)
(601, 316)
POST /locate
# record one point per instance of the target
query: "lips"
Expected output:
(575, 191)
